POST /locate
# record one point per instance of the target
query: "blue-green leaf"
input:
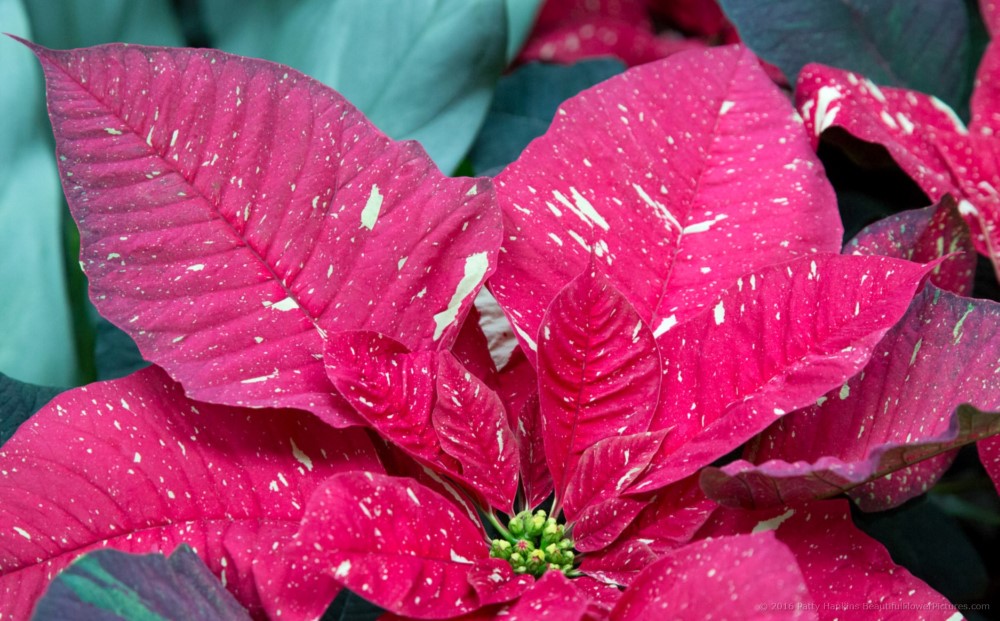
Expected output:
(109, 585)
(37, 344)
(81, 23)
(918, 45)
(421, 69)
(18, 401)
(524, 105)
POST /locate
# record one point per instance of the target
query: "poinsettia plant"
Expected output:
(324, 410)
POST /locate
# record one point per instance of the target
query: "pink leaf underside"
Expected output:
(494, 324)
(924, 235)
(905, 407)
(598, 369)
(776, 342)
(848, 574)
(923, 135)
(133, 464)
(472, 350)
(989, 454)
(595, 37)
(426, 403)
(728, 578)
(678, 176)
(232, 210)
(667, 520)
(395, 543)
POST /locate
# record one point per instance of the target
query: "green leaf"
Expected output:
(81, 23)
(918, 45)
(524, 105)
(37, 344)
(109, 585)
(18, 401)
(421, 69)
(115, 353)
(932, 545)
(350, 607)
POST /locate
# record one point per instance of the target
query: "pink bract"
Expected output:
(134, 465)
(678, 176)
(233, 211)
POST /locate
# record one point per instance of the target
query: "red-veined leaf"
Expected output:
(725, 578)
(430, 406)
(598, 370)
(395, 543)
(233, 210)
(678, 176)
(667, 520)
(133, 464)
(905, 407)
(774, 343)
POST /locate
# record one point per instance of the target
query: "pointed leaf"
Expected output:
(905, 407)
(598, 371)
(725, 578)
(430, 406)
(923, 235)
(536, 480)
(844, 569)
(105, 585)
(774, 343)
(659, 173)
(608, 468)
(920, 45)
(132, 464)
(394, 542)
(18, 401)
(227, 248)
(471, 426)
(595, 498)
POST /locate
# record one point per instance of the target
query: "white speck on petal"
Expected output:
(372, 207)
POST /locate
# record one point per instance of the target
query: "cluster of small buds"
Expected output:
(539, 544)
